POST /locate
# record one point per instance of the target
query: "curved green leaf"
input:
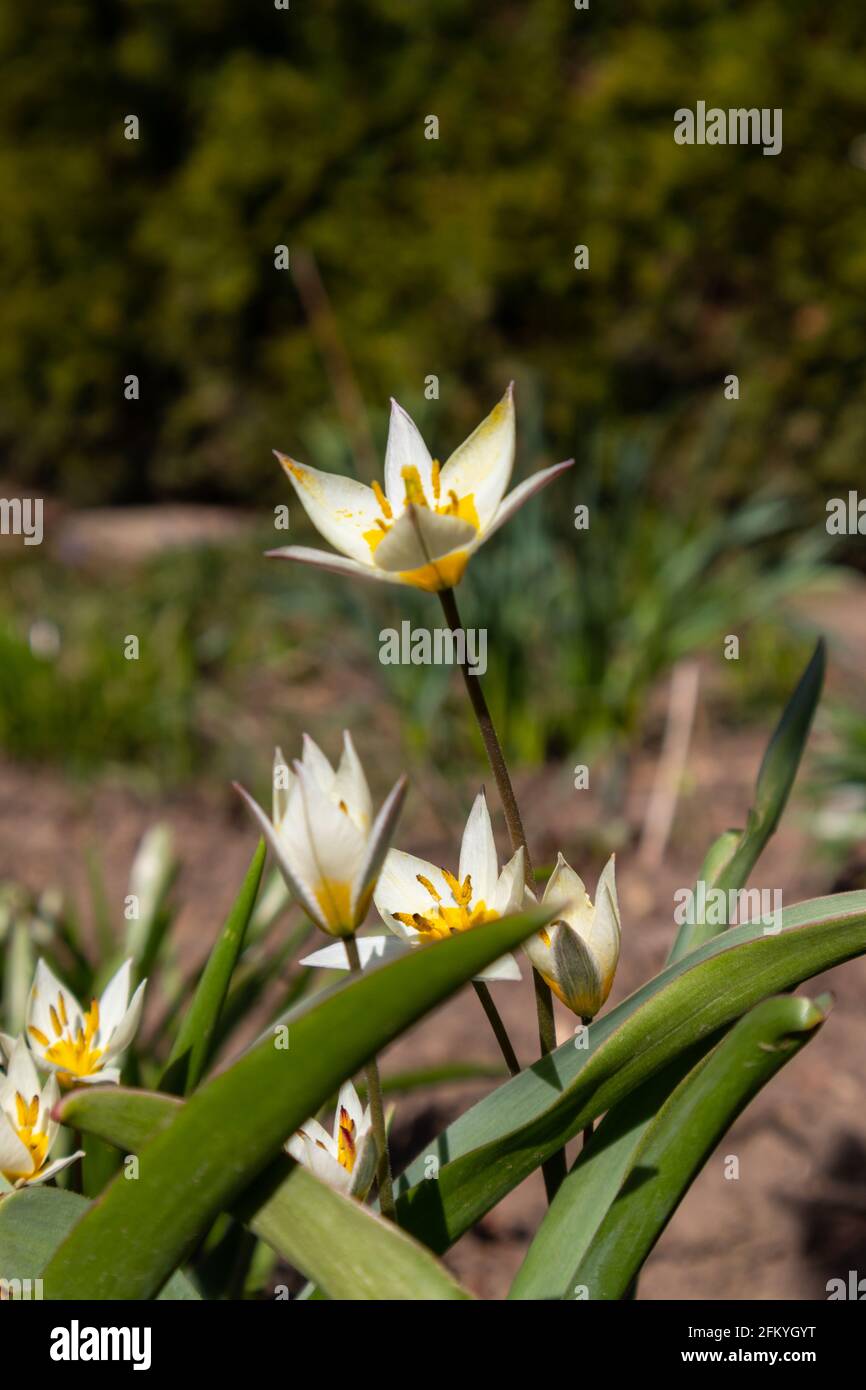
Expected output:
(192, 1047)
(348, 1250)
(684, 1133)
(688, 1105)
(729, 864)
(497, 1143)
(34, 1221)
(220, 1141)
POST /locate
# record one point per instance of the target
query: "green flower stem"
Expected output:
(497, 1025)
(554, 1169)
(587, 1133)
(377, 1112)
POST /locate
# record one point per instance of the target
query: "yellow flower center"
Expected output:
(443, 920)
(72, 1050)
(34, 1141)
(452, 505)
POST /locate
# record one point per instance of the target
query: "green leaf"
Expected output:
(225, 1134)
(348, 1250)
(728, 865)
(688, 1106)
(684, 1133)
(192, 1048)
(502, 1139)
(33, 1223)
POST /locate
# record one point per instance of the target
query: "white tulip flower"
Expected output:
(78, 1044)
(577, 954)
(420, 902)
(27, 1130)
(345, 1159)
(422, 528)
(326, 843)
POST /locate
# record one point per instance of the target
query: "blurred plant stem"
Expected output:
(377, 1113)
(554, 1168)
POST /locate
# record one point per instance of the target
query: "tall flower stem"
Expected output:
(497, 1025)
(377, 1112)
(554, 1168)
(587, 1133)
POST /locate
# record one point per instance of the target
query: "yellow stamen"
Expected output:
(442, 921)
(73, 1052)
(346, 1149)
(425, 883)
(437, 482)
(38, 1036)
(384, 504)
(55, 1021)
(412, 482)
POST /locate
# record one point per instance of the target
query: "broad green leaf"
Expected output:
(226, 1133)
(687, 1106)
(683, 1134)
(34, 1221)
(728, 866)
(348, 1250)
(490, 1149)
(192, 1048)
(593, 1183)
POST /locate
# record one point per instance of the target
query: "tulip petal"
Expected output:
(399, 889)
(21, 1076)
(326, 560)
(371, 950)
(14, 1157)
(50, 1170)
(420, 537)
(341, 509)
(127, 1028)
(112, 1004)
(350, 786)
(569, 967)
(44, 996)
(405, 449)
(605, 933)
(510, 889)
(506, 968)
(298, 884)
(522, 493)
(283, 777)
(329, 850)
(478, 853)
(376, 849)
(481, 467)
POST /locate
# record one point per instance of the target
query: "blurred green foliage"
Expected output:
(455, 257)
